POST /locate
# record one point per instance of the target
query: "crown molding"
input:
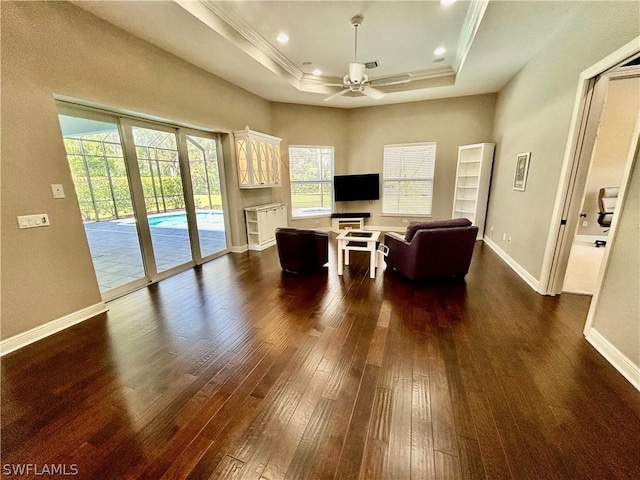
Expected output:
(472, 21)
(248, 33)
(221, 18)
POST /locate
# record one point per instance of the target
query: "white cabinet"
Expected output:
(339, 225)
(258, 159)
(262, 222)
(472, 183)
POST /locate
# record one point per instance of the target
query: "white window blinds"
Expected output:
(407, 178)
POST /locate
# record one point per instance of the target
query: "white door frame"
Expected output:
(587, 106)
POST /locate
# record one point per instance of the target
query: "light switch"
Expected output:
(31, 221)
(58, 191)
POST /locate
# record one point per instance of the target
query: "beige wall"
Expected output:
(308, 125)
(56, 48)
(449, 122)
(359, 137)
(617, 317)
(533, 114)
(618, 120)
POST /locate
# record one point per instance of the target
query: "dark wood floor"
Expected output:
(236, 370)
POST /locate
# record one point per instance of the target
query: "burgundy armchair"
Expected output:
(432, 249)
(302, 251)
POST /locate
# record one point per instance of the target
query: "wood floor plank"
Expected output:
(397, 375)
(447, 467)
(215, 452)
(374, 459)
(293, 433)
(470, 458)
(237, 370)
(422, 451)
(303, 458)
(351, 456)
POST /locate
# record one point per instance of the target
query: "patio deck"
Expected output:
(116, 256)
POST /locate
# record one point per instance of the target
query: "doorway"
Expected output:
(150, 195)
(590, 101)
(606, 171)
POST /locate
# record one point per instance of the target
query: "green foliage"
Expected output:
(106, 195)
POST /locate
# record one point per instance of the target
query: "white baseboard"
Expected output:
(23, 339)
(240, 249)
(615, 357)
(515, 266)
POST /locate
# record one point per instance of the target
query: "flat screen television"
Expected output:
(356, 187)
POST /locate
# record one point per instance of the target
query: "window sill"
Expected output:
(317, 215)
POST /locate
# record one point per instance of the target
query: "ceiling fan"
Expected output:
(356, 81)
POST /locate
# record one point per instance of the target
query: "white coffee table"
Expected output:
(361, 241)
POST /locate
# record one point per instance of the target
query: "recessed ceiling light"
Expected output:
(317, 72)
(447, 2)
(440, 51)
(282, 37)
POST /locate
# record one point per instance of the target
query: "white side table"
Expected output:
(361, 241)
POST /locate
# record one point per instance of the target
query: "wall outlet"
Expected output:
(585, 223)
(31, 221)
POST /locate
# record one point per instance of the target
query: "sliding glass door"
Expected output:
(151, 196)
(95, 154)
(156, 153)
(206, 187)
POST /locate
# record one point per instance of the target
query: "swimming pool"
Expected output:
(206, 220)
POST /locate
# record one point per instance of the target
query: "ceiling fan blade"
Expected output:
(335, 95)
(372, 92)
(383, 82)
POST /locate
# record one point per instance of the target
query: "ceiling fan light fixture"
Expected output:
(356, 73)
(357, 81)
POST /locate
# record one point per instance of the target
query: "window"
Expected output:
(407, 179)
(311, 173)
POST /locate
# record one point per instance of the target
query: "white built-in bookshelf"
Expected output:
(472, 183)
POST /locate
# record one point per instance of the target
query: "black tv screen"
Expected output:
(356, 187)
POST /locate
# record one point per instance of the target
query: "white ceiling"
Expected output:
(487, 42)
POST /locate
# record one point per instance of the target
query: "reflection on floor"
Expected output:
(583, 267)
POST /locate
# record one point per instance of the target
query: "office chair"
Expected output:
(607, 199)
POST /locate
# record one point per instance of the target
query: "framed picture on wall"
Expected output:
(522, 169)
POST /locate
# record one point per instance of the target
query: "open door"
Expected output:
(588, 109)
(606, 171)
